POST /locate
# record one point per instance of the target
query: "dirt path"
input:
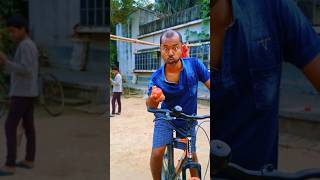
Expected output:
(73, 146)
(69, 147)
(131, 141)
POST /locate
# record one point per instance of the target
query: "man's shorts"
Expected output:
(163, 133)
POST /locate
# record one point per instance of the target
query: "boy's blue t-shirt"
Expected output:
(183, 93)
(245, 93)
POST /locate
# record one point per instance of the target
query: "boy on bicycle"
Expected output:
(178, 79)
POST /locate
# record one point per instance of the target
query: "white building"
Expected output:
(52, 25)
(137, 62)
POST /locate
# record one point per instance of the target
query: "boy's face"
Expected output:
(171, 49)
(16, 34)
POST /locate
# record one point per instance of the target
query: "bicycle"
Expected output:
(51, 95)
(220, 155)
(169, 170)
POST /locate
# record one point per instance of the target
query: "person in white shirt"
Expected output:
(116, 90)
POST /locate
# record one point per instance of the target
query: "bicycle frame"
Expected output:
(185, 161)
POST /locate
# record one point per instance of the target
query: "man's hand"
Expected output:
(155, 98)
(312, 72)
(185, 51)
(157, 94)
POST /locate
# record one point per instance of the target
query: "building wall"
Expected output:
(127, 59)
(125, 51)
(51, 26)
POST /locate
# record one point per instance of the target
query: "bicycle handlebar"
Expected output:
(177, 113)
(220, 154)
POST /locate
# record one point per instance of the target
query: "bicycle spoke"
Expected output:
(53, 97)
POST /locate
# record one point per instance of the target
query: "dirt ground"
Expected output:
(73, 146)
(69, 147)
(131, 141)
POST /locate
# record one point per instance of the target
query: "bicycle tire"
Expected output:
(52, 95)
(165, 172)
(168, 169)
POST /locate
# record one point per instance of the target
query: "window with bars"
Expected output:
(202, 53)
(94, 13)
(147, 60)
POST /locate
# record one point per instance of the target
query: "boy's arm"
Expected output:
(203, 73)
(153, 100)
(312, 72)
(116, 81)
(207, 84)
(23, 68)
(301, 41)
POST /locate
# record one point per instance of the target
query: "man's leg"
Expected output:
(119, 102)
(162, 135)
(28, 125)
(16, 112)
(156, 162)
(113, 102)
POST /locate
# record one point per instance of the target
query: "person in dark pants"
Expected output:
(23, 70)
(116, 91)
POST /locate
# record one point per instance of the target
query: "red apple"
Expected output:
(157, 92)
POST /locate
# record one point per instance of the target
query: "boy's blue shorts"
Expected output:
(163, 133)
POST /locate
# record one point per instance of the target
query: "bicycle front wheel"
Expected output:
(52, 96)
(168, 169)
(165, 172)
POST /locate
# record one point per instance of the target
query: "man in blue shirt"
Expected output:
(178, 79)
(251, 40)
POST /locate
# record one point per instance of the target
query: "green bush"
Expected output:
(6, 45)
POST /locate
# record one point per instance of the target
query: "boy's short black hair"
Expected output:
(18, 21)
(115, 68)
(169, 33)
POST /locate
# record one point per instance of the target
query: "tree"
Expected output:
(119, 12)
(205, 8)
(7, 8)
(173, 6)
(168, 7)
(120, 9)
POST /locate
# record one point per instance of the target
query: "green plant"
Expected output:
(205, 9)
(120, 10)
(6, 44)
(173, 6)
(9, 8)
(199, 36)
